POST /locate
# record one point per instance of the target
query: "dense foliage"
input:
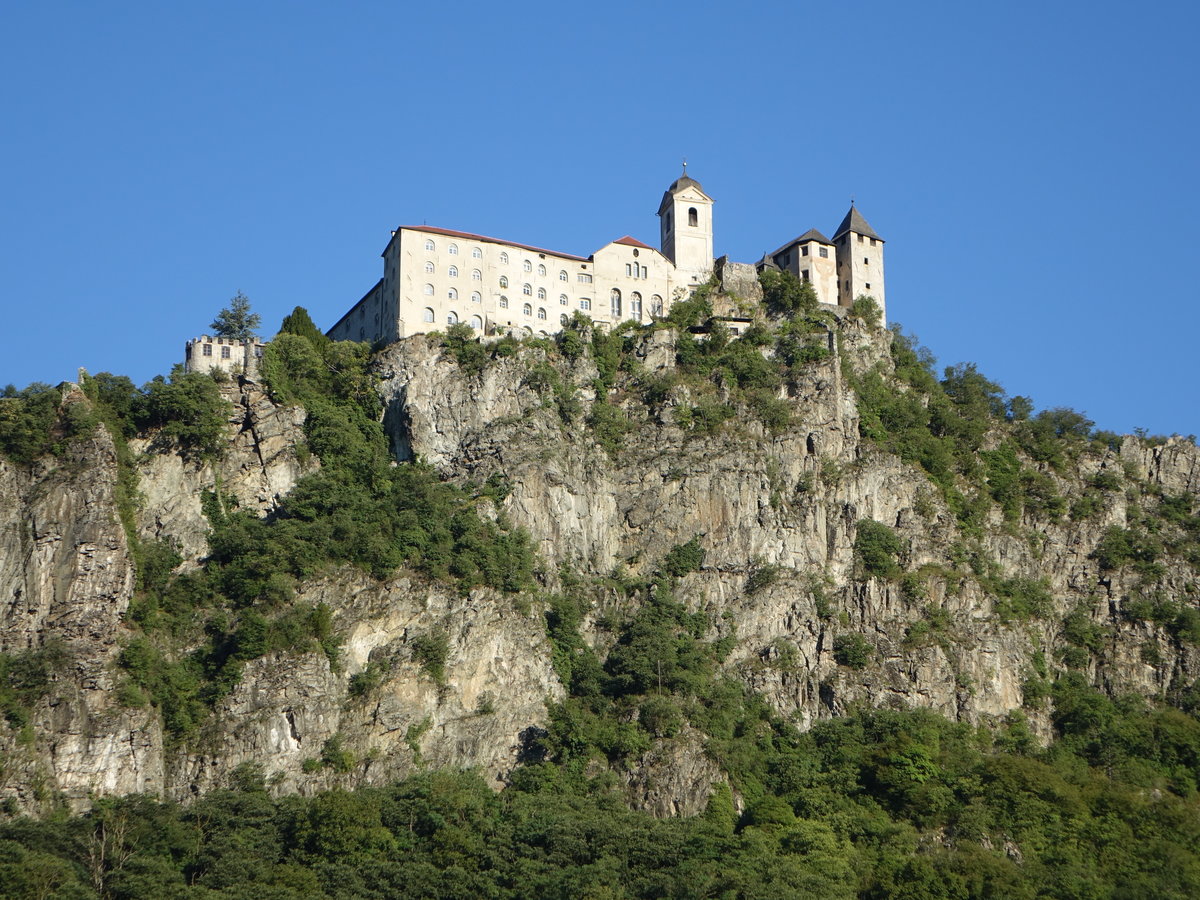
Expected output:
(874, 805)
(357, 509)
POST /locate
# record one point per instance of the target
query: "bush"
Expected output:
(878, 547)
(431, 651)
(684, 558)
(852, 651)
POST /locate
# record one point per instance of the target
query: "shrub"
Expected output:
(878, 547)
(431, 651)
(684, 558)
(852, 650)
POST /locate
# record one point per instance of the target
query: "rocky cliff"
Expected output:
(776, 510)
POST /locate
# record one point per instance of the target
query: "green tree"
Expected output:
(236, 321)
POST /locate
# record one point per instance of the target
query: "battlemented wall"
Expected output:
(208, 353)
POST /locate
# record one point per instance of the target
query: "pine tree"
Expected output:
(236, 321)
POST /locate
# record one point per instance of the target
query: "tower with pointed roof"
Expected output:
(686, 230)
(859, 261)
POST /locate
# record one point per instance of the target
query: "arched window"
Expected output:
(562, 299)
(452, 249)
(428, 268)
(503, 302)
(476, 253)
(635, 305)
(562, 276)
(541, 270)
(527, 309)
(585, 303)
(527, 289)
(475, 298)
(656, 307)
(503, 281)
(541, 293)
(452, 318)
(429, 245)
(504, 258)
(427, 316)
(527, 266)
(452, 271)
(453, 293)
(428, 290)
(476, 275)
(541, 312)
(563, 320)
(616, 303)
(477, 323)
(693, 217)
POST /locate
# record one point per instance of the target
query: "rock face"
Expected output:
(786, 503)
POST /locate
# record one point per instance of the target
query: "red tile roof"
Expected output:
(491, 240)
(632, 242)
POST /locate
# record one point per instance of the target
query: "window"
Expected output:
(428, 268)
(860, 238)
(476, 275)
(504, 258)
(628, 270)
(562, 299)
(475, 298)
(427, 290)
(585, 303)
(693, 217)
(452, 271)
(584, 278)
(452, 249)
(868, 285)
(527, 266)
(477, 323)
(563, 320)
(527, 289)
(503, 281)
(453, 293)
(804, 250)
(824, 252)
(527, 309)
(645, 272)
(635, 305)
(503, 302)
(616, 303)
(656, 305)
(804, 274)
(452, 318)
(429, 245)
(872, 242)
(866, 262)
(476, 253)
(541, 313)
(541, 270)
(562, 276)
(208, 349)
(427, 316)
(541, 293)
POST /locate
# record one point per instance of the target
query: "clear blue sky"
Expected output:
(1033, 166)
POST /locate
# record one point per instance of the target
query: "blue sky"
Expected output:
(1031, 165)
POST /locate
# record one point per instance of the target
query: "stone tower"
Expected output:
(686, 229)
(859, 261)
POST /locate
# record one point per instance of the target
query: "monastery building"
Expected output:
(435, 277)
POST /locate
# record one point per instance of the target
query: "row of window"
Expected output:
(476, 253)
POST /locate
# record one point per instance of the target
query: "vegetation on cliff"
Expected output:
(877, 803)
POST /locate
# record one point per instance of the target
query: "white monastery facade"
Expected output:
(436, 277)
